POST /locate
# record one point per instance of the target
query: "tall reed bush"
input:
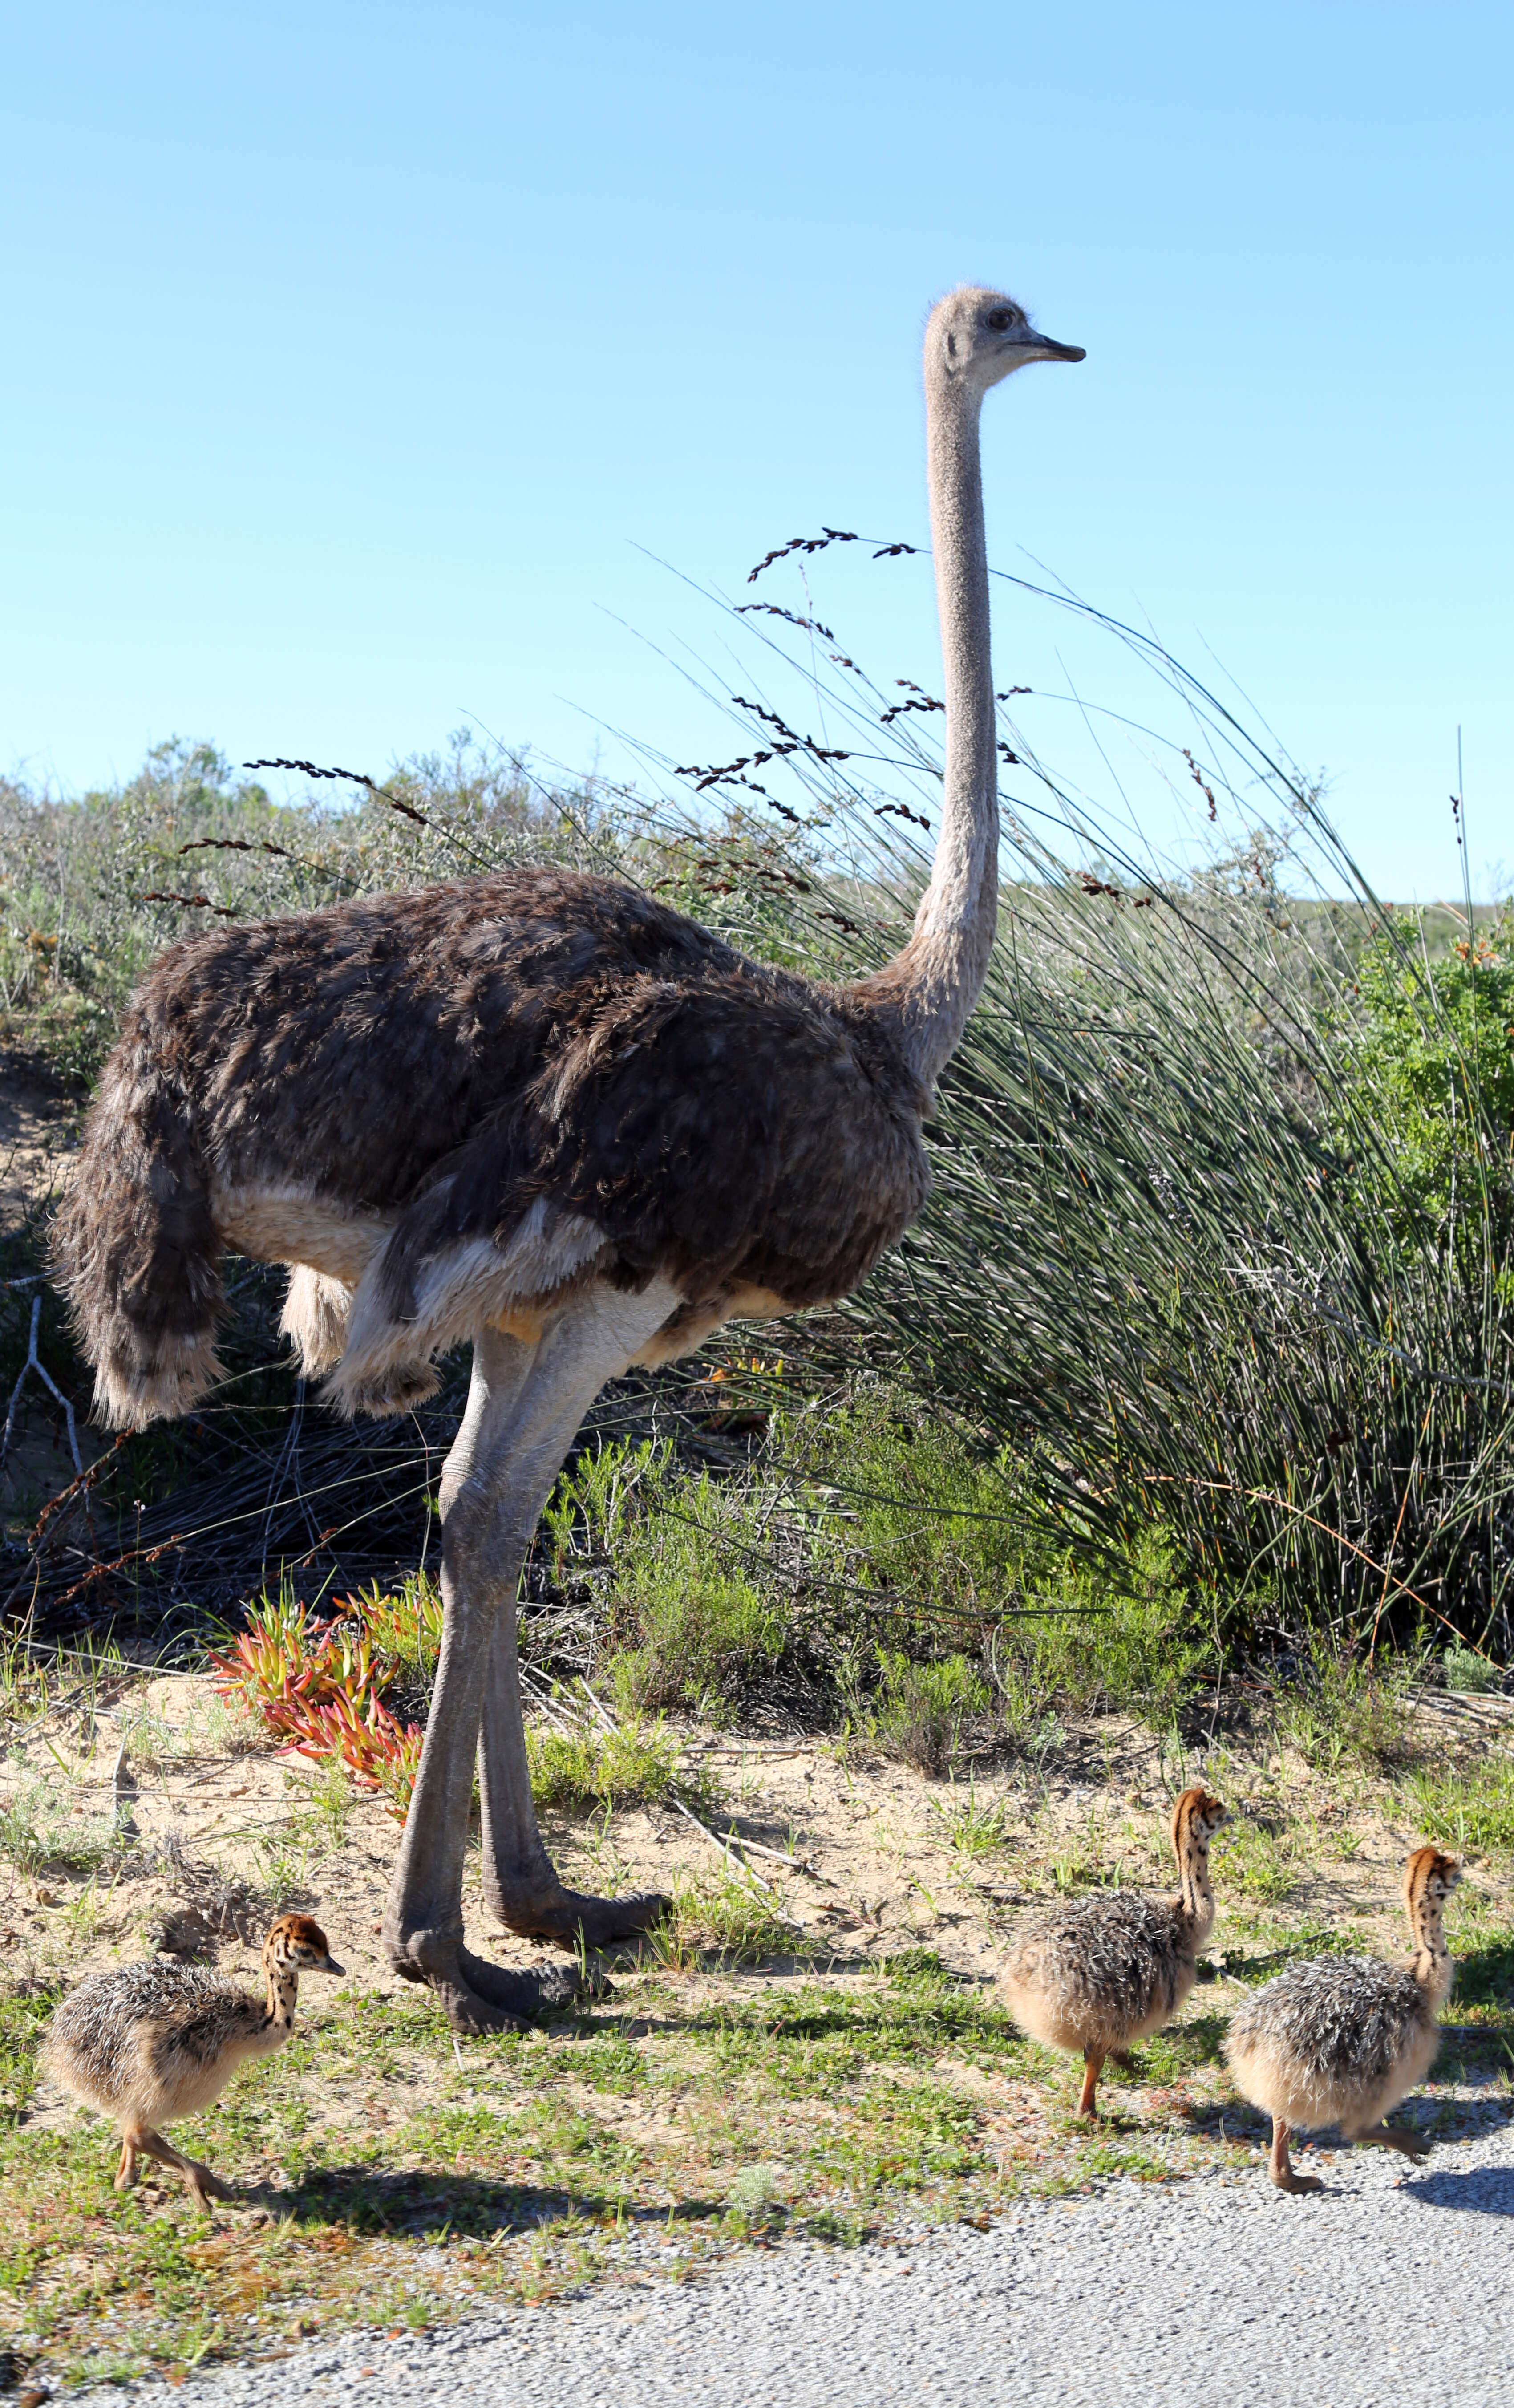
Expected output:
(1180, 1252)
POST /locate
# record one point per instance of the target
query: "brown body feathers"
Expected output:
(467, 1101)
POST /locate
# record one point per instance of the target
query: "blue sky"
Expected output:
(364, 362)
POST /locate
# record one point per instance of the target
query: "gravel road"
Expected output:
(1215, 2293)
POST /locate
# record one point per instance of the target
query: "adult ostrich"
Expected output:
(540, 1111)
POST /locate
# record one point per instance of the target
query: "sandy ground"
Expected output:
(228, 1831)
(38, 1136)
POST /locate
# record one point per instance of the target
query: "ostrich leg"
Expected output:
(524, 1411)
(521, 1885)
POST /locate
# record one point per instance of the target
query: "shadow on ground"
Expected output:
(1486, 2190)
(416, 2202)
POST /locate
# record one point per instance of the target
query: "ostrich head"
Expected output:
(976, 335)
(296, 1944)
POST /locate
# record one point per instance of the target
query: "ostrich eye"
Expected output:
(1001, 321)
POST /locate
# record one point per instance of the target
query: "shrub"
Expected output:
(1470, 1674)
(1176, 1258)
(921, 1710)
(637, 1765)
(1433, 1046)
(1345, 1708)
(693, 1620)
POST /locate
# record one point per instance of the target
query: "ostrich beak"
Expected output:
(328, 1965)
(1045, 349)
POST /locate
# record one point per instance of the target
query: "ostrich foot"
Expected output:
(479, 1996)
(1401, 2137)
(1297, 2184)
(1281, 2166)
(547, 1910)
(202, 2185)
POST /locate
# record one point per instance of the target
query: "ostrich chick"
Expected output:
(150, 2042)
(1101, 1972)
(1340, 2039)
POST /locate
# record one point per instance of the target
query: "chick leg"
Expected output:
(1093, 2067)
(1281, 2165)
(1408, 2143)
(126, 2171)
(201, 2183)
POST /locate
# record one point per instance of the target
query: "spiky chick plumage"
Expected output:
(1098, 1973)
(1341, 2039)
(144, 2044)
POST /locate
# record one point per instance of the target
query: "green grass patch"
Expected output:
(1254, 1862)
(1466, 1807)
(41, 1825)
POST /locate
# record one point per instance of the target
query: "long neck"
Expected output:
(283, 1994)
(928, 990)
(1432, 1968)
(1196, 1904)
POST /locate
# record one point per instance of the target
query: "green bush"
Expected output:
(691, 1615)
(1343, 1707)
(1433, 1046)
(583, 1769)
(1467, 1673)
(697, 1627)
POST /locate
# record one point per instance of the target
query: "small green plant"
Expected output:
(919, 1711)
(1253, 1863)
(727, 1915)
(1469, 1674)
(331, 1798)
(40, 1827)
(1080, 1863)
(403, 1626)
(151, 1742)
(974, 1829)
(221, 1729)
(752, 2200)
(585, 1769)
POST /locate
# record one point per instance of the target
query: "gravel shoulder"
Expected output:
(1212, 2292)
